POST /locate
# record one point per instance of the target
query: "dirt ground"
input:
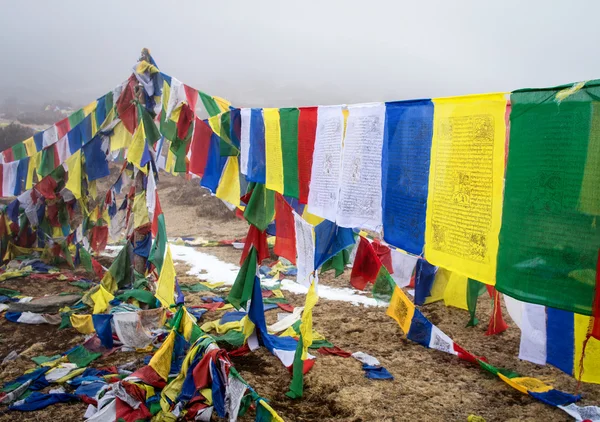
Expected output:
(428, 385)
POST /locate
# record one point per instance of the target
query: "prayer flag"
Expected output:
(464, 205)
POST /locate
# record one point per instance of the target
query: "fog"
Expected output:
(291, 53)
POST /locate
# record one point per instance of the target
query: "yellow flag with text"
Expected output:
(466, 182)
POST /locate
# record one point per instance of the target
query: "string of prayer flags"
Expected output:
(549, 238)
(464, 205)
(405, 175)
(419, 329)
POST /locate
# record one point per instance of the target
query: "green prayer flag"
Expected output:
(19, 151)
(150, 129)
(384, 285)
(549, 236)
(82, 357)
(297, 384)
(474, 290)
(241, 291)
(210, 104)
(121, 268)
(108, 104)
(46, 164)
(232, 337)
(337, 262)
(159, 246)
(167, 126)
(260, 209)
(76, 118)
(289, 150)
(43, 359)
(140, 295)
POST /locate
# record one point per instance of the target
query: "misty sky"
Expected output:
(276, 53)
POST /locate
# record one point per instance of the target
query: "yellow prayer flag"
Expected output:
(401, 309)
(74, 373)
(121, 137)
(101, 299)
(176, 112)
(222, 103)
(90, 108)
(172, 390)
(74, 176)
(466, 182)
(83, 323)
(229, 185)
(273, 153)
(306, 324)
(311, 219)
(247, 327)
(187, 324)
(591, 361)
(221, 328)
(166, 281)
(30, 146)
(94, 124)
(456, 291)
(276, 417)
(109, 283)
(525, 384)
(144, 66)
(161, 361)
(440, 282)
(215, 124)
(33, 163)
(137, 147)
(165, 96)
(170, 162)
(140, 210)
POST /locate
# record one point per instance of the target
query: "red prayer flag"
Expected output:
(257, 239)
(307, 128)
(192, 96)
(336, 351)
(186, 116)
(286, 307)
(366, 265)
(385, 255)
(497, 324)
(8, 155)
(285, 239)
(99, 238)
(594, 330)
(62, 127)
(126, 108)
(46, 187)
(157, 212)
(200, 146)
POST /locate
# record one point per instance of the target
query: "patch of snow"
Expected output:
(210, 268)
